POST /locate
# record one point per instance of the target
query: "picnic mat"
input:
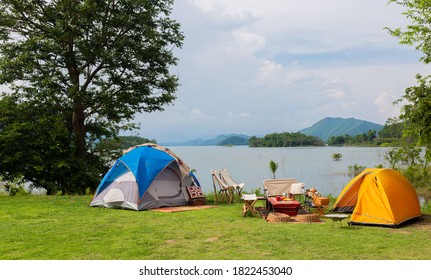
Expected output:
(181, 208)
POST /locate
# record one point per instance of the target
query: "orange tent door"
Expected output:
(372, 206)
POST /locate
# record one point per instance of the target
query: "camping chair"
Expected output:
(225, 191)
(231, 182)
(274, 187)
(297, 190)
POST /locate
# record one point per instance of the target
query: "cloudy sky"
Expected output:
(257, 67)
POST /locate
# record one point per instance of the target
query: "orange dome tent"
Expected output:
(379, 197)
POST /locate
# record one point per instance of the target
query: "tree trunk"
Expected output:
(78, 119)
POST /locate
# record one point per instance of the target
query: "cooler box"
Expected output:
(289, 207)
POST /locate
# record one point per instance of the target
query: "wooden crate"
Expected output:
(320, 201)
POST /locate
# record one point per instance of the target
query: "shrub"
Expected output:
(15, 187)
(355, 169)
(337, 156)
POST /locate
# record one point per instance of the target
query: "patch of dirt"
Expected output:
(423, 224)
(212, 239)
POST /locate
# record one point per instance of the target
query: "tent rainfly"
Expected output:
(379, 197)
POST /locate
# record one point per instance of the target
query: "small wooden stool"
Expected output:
(320, 204)
(249, 202)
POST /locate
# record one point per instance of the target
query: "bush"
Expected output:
(15, 187)
(354, 170)
(419, 177)
(337, 156)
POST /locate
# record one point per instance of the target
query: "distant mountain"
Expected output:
(328, 127)
(221, 140)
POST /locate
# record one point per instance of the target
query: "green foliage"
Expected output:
(285, 139)
(258, 191)
(354, 170)
(35, 145)
(337, 156)
(405, 156)
(426, 207)
(389, 135)
(273, 167)
(131, 141)
(14, 187)
(419, 177)
(391, 132)
(413, 164)
(393, 157)
(360, 139)
(83, 69)
(418, 30)
(113, 148)
(415, 112)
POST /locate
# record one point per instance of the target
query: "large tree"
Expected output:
(416, 113)
(95, 62)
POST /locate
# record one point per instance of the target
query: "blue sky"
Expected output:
(257, 67)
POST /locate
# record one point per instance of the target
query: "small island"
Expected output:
(285, 139)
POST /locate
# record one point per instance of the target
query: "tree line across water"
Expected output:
(389, 135)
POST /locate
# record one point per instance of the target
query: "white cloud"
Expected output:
(197, 114)
(292, 26)
(243, 43)
(336, 94)
(270, 72)
(385, 106)
(256, 67)
(337, 89)
(233, 115)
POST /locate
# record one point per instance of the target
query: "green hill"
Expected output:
(328, 127)
(221, 140)
(235, 140)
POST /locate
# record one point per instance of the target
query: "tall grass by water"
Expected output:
(65, 228)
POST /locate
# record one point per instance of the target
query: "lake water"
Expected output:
(313, 166)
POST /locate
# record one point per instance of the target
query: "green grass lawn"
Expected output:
(65, 228)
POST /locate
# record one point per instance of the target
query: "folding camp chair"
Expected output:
(297, 190)
(278, 187)
(231, 182)
(274, 187)
(225, 192)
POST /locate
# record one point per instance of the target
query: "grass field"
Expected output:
(65, 228)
